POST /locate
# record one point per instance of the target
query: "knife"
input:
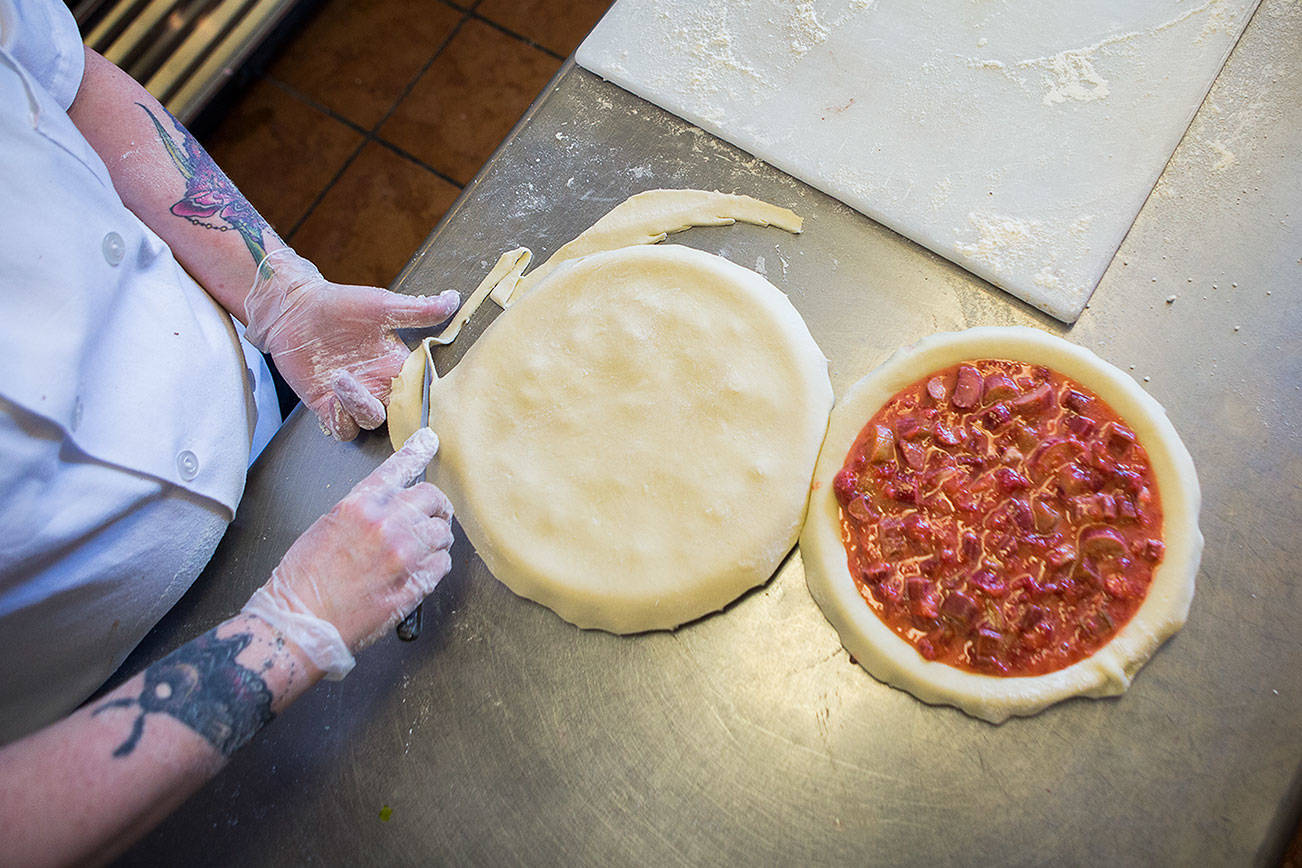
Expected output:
(409, 627)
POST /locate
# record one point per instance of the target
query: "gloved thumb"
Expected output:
(419, 311)
(356, 400)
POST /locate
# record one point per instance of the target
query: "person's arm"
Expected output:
(334, 344)
(83, 789)
(168, 180)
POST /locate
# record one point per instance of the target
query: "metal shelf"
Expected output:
(182, 51)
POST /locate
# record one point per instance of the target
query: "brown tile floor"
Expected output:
(375, 113)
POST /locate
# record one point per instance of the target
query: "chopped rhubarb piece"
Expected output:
(990, 583)
(885, 592)
(1021, 512)
(1103, 540)
(1092, 507)
(917, 528)
(1119, 438)
(1032, 616)
(997, 416)
(947, 434)
(891, 530)
(1131, 481)
(1076, 400)
(1056, 451)
(988, 642)
(979, 444)
(998, 387)
(861, 510)
(845, 484)
(1152, 550)
(877, 573)
(1073, 479)
(1101, 459)
(922, 598)
(1125, 508)
(910, 428)
(971, 546)
(914, 455)
(967, 391)
(1081, 426)
(960, 608)
(1117, 586)
(937, 389)
(881, 445)
(1008, 480)
(1035, 401)
(1061, 555)
(1046, 517)
(902, 492)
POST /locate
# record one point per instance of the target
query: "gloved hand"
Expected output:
(364, 565)
(335, 345)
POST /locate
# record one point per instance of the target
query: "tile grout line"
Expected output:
(461, 7)
(366, 135)
(509, 32)
(371, 135)
(411, 85)
(412, 158)
(316, 200)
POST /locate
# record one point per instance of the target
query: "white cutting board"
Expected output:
(1018, 138)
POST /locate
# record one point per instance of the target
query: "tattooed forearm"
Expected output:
(201, 685)
(211, 200)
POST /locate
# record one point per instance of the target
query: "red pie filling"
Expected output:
(1001, 518)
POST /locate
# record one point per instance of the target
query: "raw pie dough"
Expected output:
(644, 218)
(631, 442)
(892, 660)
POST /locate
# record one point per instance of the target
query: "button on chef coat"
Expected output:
(129, 405)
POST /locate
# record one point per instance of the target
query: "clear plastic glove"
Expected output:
(363, 566)
(334, 344)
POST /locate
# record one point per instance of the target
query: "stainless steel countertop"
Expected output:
(506, 736)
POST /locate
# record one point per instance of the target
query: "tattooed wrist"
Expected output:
(203, 686)
(210, 200)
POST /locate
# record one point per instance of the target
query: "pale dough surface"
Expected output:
(631, 442)
(888, 657)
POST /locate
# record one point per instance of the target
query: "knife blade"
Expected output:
(409, 627)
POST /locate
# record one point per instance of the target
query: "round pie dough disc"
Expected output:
(631, 442)
(891, 659)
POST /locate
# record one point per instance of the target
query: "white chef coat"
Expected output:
(129, 405)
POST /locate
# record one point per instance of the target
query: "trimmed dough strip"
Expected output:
(648, 218)
(509, 267)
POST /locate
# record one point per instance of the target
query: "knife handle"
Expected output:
(409, 627)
